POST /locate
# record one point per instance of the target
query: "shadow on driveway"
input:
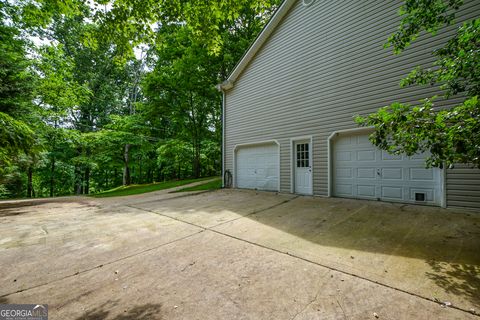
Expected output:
(141, 312)
(409, 241)
(425, 250)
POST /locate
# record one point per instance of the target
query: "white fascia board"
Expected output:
(257, 44)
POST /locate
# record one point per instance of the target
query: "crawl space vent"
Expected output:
(420, 196)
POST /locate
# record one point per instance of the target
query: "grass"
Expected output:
(144, 188)
(212, 185)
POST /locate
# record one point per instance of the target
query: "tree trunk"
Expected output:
(77, 188)
(139, 180)
(133, 175)
(106, 180)
(159, 174)
(30, 182)
(52, 177)
(126, 169)
(196, 160)
(52, 168)
(87, 181)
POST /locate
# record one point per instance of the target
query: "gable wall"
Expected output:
(321, 66)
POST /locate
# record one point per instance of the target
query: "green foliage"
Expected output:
(16, 136)
(57, 90)
(203, 19)
(40, 13)
(82, 113)
(174, 157)
(448, 136)
(457, 68)
(13, 182)
(181, 87)
(422, 15)
(16, 81)
(129, 23)
(16, 87)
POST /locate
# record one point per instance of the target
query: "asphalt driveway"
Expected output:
(239, 255)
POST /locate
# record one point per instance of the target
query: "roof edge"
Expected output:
(257, 44)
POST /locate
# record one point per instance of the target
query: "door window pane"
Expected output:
(302, 155)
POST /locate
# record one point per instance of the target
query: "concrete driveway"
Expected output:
(239, 255)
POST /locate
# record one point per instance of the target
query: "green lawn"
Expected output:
(212, 185)
(143, 188)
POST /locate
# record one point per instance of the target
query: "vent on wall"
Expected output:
(308, 2)
(420, 196)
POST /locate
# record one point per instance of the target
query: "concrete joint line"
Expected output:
(243, 240)
(255, 212)
(305, 259)
(346, 273)
(172, 198)
(173, 218)
(102, 265)
(210, 228)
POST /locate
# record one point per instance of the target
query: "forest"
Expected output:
(98, 94)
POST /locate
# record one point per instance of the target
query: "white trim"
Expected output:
(329, 151)
(443, 172)
(257, 44)
(443, 200)
(292, 160)
(224, 86)
(252, 144)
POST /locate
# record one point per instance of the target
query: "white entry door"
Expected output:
(361, 170)
(257, 167)
(303, 167)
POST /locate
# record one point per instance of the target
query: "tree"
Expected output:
(450, 136)
(129, 23)
(181, 88)
(17, 139)
(81, 113)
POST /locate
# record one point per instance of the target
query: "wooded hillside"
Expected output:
(98, 94)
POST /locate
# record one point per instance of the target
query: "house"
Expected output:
(289, 105)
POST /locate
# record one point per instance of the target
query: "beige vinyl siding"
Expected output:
(322, 65)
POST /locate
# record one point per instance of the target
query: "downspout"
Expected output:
(223, 138)
(223, 87)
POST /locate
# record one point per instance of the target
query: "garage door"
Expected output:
(257, 167)
(360, 170)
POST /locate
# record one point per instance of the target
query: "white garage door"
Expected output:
(360, 170)
(257, 167)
